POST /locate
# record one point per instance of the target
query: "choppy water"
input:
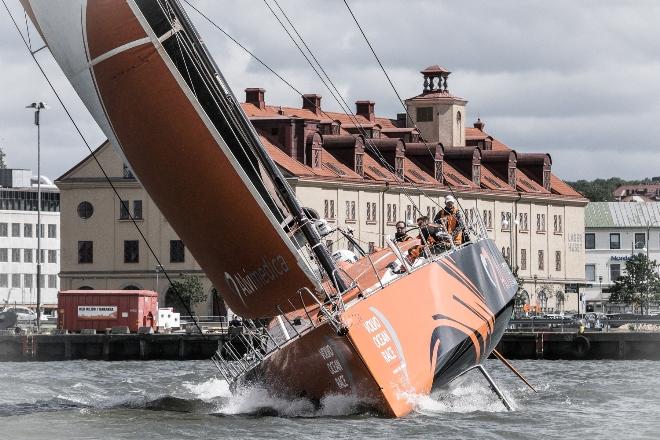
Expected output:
(177, 400)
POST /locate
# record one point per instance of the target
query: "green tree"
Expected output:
(188, 290)
(640, 286)
(3, 164)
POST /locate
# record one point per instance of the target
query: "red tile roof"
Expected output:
(525, 184)
(491, 181)
(560, 187)
(373, 170)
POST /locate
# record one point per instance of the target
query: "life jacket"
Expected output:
(452, 223)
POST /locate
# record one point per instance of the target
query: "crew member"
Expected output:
(433, 235)
(401, 235)
(452, 219)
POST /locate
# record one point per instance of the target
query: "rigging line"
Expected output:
(27, 29)
(289, 84)
(354, 118)
(225, 103)
(215, 25)
(357, 23)
(351, 116)
(256, 58)
(107, 178)
(219, 99)
(336, 94)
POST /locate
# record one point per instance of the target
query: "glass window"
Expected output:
(40, 229)
(52, 281)
(3, 229)
(27, 256)
(4, 280)
(137, 209)
(27, 230)
(615, 241)
(123, 210)
(177, 251)
(27, 280)
(523, 259)
(4, 255)
(590, 240)
(52, 231)
(590, 272)
(85, 210)
(131, 251)
(52, 256)
(640, 240)
(541, 260)
(15, 229)
(424, 114)
(558, 261)
(615, 271)
(15, 255)
(16, 280)
(85, 252)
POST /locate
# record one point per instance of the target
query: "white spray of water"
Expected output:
(209, 390)
(254, 399)
(462, 398)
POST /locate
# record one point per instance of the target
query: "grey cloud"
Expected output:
(576, 79)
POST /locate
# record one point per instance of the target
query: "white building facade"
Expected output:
(613, 232)
(18, 241)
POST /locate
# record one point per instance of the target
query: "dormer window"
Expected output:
(398, 167)
(359, 167)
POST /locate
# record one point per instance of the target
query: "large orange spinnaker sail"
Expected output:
(138, 73)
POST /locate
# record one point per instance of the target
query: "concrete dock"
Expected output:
(110, 347)
(120, 347)
(575, 346)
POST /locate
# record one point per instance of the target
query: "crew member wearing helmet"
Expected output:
(452, 219)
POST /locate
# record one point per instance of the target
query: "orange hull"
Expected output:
(417, 332)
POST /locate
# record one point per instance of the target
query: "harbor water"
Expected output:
(178, 400)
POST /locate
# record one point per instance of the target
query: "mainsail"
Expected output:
(148, 82)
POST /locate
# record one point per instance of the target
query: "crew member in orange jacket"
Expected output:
(452, 219)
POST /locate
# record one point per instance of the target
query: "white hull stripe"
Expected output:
(132, 44)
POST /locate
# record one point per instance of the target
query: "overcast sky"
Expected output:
(577, 79)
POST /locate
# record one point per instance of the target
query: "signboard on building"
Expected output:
(97, 312)
(620, 257)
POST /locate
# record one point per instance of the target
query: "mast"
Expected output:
(250, 137)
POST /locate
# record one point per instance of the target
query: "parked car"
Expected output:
(24, 314)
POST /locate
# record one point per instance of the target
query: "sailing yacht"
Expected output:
(314, 325)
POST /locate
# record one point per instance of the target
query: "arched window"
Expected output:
(85, 288)
(459, 122)
(131, 287)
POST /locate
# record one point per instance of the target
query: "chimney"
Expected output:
(366, 110)
(255, 96)
(312, 102)
(479, 125)
(401, 120)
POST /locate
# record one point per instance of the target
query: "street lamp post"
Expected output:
(536, 297)
(159, 268)
(38, 106)
(602, 303)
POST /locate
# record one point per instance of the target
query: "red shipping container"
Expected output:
(103, 309)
